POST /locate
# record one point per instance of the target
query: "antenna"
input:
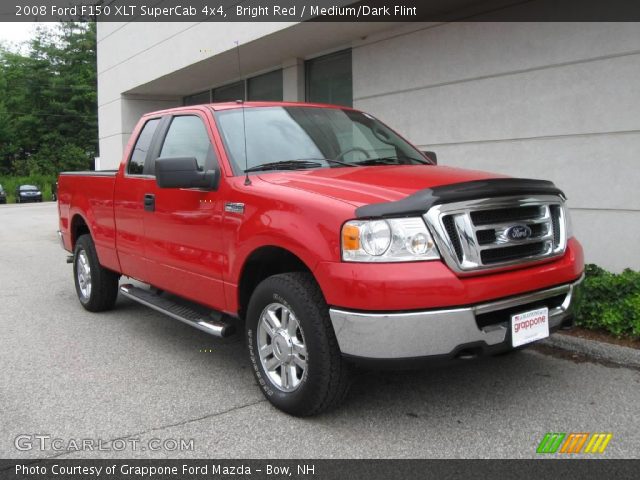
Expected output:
(247, 180)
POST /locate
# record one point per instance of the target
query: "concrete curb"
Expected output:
(623, 356)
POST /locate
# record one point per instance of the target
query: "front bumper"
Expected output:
(451, 332)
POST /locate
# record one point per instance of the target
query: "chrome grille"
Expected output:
(479, 235)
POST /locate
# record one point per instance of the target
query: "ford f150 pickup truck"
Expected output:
(327, 236)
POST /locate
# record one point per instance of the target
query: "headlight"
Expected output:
(390, 240)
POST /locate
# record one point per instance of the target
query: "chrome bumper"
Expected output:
(436, 332)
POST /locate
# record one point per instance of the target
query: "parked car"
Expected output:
(28, 193)
(3, 195)
(328, 237)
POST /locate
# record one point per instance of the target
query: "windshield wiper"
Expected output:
(284, 165)
(390, 161)
(296, 164)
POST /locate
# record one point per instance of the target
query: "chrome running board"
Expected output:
(211, 324)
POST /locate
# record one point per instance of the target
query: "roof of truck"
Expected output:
(239, 104)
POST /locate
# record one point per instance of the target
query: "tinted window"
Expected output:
(198, 98)
(188, 137)
(267, 87)
(229, 93)
(329, 79)
(139, 155)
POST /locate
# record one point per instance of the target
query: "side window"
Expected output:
(188, 137)
(140, 149)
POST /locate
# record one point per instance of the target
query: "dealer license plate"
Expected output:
(527, 327)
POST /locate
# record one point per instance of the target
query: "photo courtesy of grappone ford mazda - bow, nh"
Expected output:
(325, 237)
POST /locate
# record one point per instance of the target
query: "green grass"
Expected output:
(43, 182)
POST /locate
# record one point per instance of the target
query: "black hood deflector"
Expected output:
(423, 200)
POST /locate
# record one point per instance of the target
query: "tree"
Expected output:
(48, 110)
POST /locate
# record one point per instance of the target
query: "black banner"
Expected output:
(317, 10)
(315, 469)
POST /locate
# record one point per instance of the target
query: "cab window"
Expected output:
(141, 148)
(188, 137)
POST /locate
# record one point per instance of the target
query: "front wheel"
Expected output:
(292, 347)
(96, 286)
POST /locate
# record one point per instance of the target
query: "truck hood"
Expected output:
(374, 184)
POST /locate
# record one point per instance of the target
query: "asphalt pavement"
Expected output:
(139, 384)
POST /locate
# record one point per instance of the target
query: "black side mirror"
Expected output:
(431, 156)
(183, 172)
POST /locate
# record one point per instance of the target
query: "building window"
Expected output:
(229, 93)
(329, 79)
(267, 87)
(198, 98)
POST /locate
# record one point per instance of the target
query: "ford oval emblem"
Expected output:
(518, 232)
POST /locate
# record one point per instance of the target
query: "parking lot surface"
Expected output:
(133, 374)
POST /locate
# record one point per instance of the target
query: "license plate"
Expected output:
(527, 327)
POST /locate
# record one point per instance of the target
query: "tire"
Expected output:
(324, 381)
(96, 286)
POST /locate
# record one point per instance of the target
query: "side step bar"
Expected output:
(188, 315)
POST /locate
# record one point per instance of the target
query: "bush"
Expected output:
(42, 181)
(610, 302)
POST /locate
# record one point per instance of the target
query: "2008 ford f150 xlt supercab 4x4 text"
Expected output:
(329, 237)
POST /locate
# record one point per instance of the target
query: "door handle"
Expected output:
(149, 202)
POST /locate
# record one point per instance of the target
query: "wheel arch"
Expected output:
(79, 226)
(262, 263)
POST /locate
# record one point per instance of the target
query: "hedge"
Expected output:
(610, 302)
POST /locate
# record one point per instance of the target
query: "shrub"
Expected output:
(610, 302)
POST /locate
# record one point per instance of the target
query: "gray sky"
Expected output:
(16, 32)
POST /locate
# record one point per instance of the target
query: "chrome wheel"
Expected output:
(281, 345)
(84, 274)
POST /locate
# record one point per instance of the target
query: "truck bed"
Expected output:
(87, 197)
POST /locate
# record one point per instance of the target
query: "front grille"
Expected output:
(486, 217)
(504, 254)
(490, 233)
(453, 236)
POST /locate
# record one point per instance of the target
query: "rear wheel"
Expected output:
(292, 346)
(96, 286)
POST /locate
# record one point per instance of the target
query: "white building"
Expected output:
(558, 101)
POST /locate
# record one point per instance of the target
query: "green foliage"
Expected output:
(610, 302)
(44, 182)
(48, 102)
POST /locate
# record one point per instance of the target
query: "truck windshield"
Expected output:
(279, 138)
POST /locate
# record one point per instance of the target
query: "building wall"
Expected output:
(544, 100)
(556, 101)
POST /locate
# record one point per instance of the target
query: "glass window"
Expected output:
(198, 98)
(229, 93)
(329, 79)
(267, 87)
(325, 137)
(139, 154)
(188, 137)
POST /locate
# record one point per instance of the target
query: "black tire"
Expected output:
(104, 283)
(327, 377)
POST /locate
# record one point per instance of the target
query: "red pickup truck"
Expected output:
(331, 239)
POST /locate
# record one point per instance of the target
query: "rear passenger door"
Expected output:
(183, 244)
(128, 207)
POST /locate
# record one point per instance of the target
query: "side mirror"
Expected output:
(183, 172)
(431, 156)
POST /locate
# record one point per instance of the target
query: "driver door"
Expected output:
(183, 244)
